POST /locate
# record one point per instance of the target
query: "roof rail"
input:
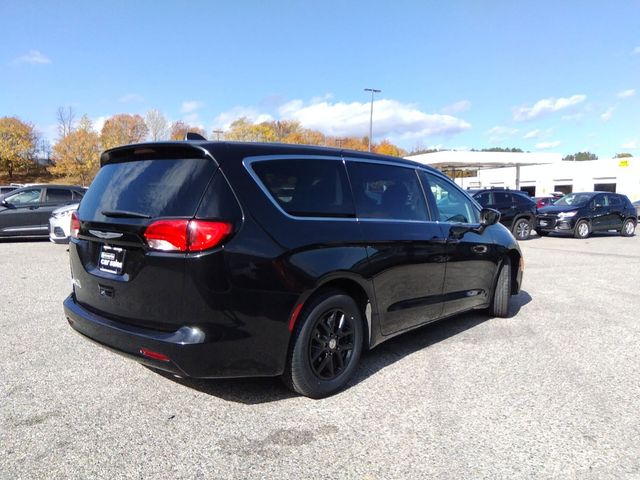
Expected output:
(193, 136)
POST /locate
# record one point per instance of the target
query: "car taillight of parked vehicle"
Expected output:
(186, 235)
(75, 225)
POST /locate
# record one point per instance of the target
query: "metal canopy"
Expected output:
(479, 160)
(464, 160)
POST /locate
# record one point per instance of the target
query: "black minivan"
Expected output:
(214, 259)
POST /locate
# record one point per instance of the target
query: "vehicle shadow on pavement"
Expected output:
(23, 240)
(401, 346)
(253, 391)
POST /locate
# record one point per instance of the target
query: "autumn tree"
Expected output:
(66, 118)
(123, 129)
(580, 156)
(18, 141)
(77, 155)
(179, 129)
(157, 125)
(242, 130)
(385, 147)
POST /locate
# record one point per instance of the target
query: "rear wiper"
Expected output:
(124, 214)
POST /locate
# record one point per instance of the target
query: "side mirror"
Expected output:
(5, 204)
(488, 217)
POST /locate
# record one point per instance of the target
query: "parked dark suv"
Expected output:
(212, 259)
(517, 209)
(580, 214)
(25, 212)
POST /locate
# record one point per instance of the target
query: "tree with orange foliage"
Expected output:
(123, 129)
(18, 141)
(77, 154)
(385, 147)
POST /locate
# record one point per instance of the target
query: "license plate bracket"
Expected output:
(111, 259)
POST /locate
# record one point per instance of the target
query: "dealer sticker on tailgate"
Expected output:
(111, 259)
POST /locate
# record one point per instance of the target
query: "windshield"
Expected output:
(574, 200)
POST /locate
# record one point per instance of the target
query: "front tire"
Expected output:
(583, 230)
(327, 343)
(502, 293)
(522, 229)
(628, 228)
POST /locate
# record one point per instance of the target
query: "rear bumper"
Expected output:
(191, 351)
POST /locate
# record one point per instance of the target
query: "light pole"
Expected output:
(372, 90)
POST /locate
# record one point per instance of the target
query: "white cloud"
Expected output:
(626, 93)
(225, 119)
(574, 116)
(533, 134)
(499, 133)
(130, 98)
(33, 57)
(631, 144)
(636, 51)
(457, 107)
(606, 116)
(190, 106)
(546, 106)
(547, 145)
(391, 119)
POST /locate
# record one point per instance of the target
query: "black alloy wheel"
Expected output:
(331, 344)
(326, 345)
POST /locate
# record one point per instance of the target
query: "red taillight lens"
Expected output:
(205, 235)
(75, 225)
(185, 235)
(167, 235)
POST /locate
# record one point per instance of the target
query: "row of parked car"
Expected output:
(36, 210)
(577, 214)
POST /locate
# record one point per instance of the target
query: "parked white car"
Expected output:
(60, 223)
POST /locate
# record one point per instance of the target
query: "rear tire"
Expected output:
(326, 345)
(582, 230)
(522, 229)
(628, 228)
(502, 294)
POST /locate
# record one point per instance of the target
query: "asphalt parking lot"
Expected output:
(552, 392)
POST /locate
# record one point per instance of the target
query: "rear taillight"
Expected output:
(75, 225)
(185, 235)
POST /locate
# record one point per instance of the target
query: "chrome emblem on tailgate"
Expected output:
(105, 235)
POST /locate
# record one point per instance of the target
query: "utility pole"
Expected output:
(218, 133)
(372, 90)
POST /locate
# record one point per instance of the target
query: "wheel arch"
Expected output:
(514, 257)
(355, 290)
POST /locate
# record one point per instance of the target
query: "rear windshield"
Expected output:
(157, 188)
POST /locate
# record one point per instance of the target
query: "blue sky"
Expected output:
(539, 75)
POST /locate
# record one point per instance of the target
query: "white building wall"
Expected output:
(582, 176)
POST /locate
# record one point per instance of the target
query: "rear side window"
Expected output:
(158, 188)
(307, 187)
(387, 192)
(614, 200)
(56, 195)
(502, 199)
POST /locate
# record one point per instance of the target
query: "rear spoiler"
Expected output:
(151, 151)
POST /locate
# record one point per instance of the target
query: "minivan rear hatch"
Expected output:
(139, 189)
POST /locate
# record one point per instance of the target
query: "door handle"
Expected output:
(34, 208)
(479, 249)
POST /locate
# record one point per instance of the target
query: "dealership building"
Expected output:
(538, 174)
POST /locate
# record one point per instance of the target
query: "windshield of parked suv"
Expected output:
(574, 200)
(150, 188)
